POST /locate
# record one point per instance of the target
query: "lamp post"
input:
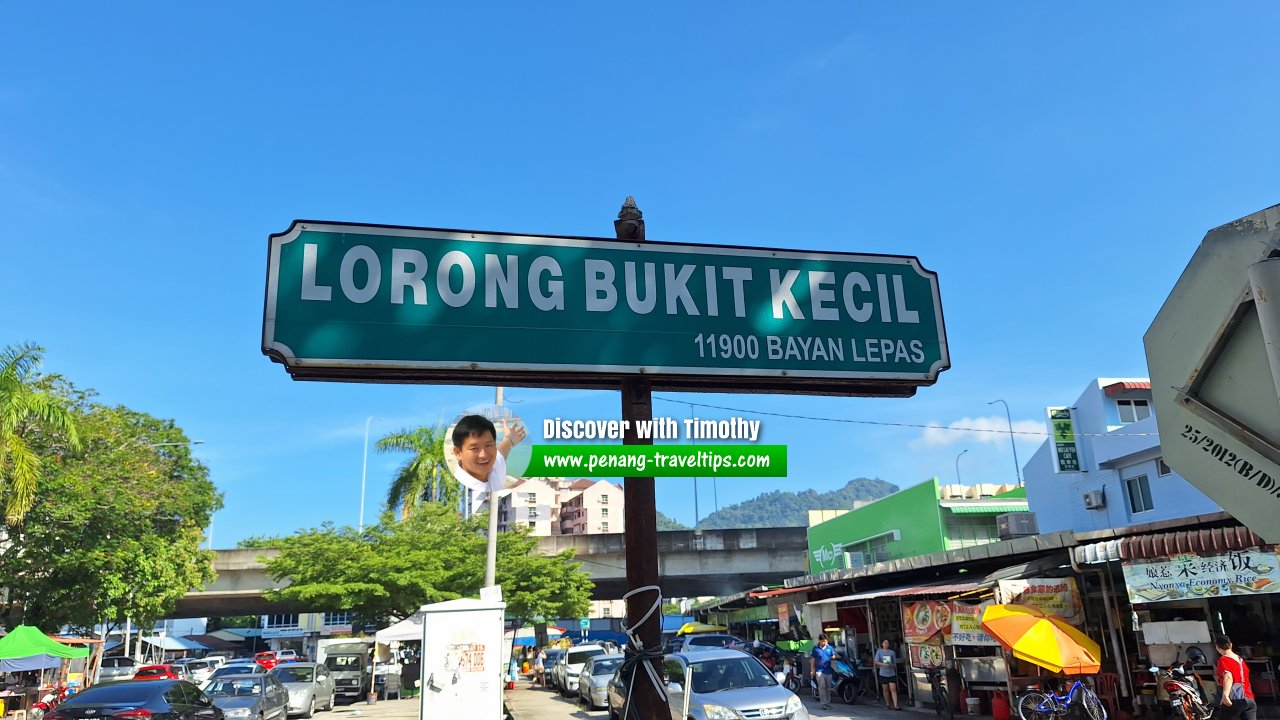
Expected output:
(962, 452)
(1017, 469)
(364, 470)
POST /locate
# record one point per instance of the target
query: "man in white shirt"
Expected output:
(483, 461)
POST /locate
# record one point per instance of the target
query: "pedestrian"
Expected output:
(821, 670)
(1235, 691)
(886, 662)
(539, 668)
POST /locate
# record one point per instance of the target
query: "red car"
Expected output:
(266, 659)
(161, 672)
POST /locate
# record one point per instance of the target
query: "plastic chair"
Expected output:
(1105, 685)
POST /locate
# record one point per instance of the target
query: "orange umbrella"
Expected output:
(1042, 638)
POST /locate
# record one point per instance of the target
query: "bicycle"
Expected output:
(1039, 705)
(941, 697)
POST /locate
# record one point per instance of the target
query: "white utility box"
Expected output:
(463, 659)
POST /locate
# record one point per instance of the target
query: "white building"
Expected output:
(556, 506)
(1122, 479)
(592, 508)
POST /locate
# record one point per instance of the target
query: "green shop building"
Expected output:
(925, 518)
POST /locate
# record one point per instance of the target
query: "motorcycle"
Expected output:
(47, 703)
(844, 680)
(1186, 694)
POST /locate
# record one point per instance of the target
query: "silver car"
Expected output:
(249, 697)
(593, 682)
(117, 668)
(310, 686)
(720, 684)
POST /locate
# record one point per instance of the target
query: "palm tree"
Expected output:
(423, 476)
(25, 408)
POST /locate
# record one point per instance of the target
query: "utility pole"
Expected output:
(491, 550)
(640, 516)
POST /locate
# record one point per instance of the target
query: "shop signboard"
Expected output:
(362, 302)
(784, 617)
(966, 625)
(1059, 596)
(1189, 576)
(1066, 454)
(924, 619)
(926, 656)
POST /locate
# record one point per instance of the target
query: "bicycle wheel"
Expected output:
(942, 699)
(939, 699)
(1035, 706)
(1093, 707)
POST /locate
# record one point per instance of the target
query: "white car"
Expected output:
(570, 667)
(199, 670)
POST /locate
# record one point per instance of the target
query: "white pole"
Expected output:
(491, 551)
(364, 470)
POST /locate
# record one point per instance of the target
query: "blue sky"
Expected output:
(1057, 165)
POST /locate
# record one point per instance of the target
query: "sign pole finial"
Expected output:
(630, 222)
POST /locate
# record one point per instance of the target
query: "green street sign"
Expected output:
(584, 623)
(379, 303)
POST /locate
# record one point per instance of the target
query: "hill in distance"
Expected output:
(782, 508)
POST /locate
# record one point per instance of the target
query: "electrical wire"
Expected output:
(791, 416)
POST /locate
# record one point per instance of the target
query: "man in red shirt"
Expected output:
(1233, 683)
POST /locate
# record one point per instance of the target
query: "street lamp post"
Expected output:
(962, 452)
(364, 470)
(1017, 469)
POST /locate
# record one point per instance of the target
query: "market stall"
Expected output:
(30, 654)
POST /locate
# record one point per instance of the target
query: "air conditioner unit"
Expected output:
(1016, 524)
(1095, 500)
(854, 560)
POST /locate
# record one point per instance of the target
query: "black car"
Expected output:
(150, 699)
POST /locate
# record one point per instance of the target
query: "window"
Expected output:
(1161, 468)
(1139, 492)
(287, 620)
(606, 611)
(604, 499)
(533, 513)
(533, 498)
(337, 618)
(604, 512)
(1133, 410)
(604, 527)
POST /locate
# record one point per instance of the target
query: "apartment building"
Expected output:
(556, 506)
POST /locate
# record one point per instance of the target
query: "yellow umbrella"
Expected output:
(1042, 638)
(693, 628)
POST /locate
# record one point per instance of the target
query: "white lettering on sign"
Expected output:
(373, 268)
(310, 290)
(831, 294)
(402, 278)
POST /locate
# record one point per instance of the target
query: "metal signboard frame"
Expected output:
(582, 371)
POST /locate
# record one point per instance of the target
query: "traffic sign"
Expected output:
(1217, 403)
(584, 623)
(364, 302)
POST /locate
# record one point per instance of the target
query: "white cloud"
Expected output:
(991, 429)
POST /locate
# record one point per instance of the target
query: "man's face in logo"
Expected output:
(476, 454)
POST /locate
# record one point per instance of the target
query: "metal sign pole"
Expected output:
(640, 515)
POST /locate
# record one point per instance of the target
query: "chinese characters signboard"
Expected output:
(966, 625)
(1066, 455)
(1190, 576)
(1059, 596)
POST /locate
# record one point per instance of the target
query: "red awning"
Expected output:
(786, 591)
(1202, 542)
(1123, 387)
(908, 591)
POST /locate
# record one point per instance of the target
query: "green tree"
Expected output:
(424, 476)
(665, 523)
(116, 527)
(258, 541)
(26, 409)
(391, 569)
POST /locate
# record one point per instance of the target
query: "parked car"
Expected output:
(117, 668)
(569, 666)
(310, 686)
(250, 668)
(151, 699)
(549, 666)
(266, 659)
(284, 656)
(249, 697)
(703, 641)
(161, 672)
(199, 670)
(595, 676)
(726, 683)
